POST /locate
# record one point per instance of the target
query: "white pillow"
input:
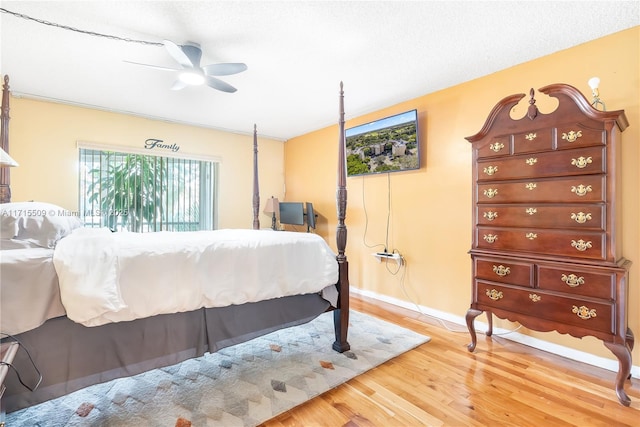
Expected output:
(8, 223)
(40, 223)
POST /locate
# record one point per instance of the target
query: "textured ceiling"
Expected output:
(297, 53)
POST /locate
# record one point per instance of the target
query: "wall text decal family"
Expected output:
(152, 143)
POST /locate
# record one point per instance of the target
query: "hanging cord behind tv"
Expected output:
(366, 223)
(386, 238)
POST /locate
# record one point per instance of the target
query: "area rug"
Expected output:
(243, 385)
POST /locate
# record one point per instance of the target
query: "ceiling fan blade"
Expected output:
(178, 54)
(224, 69)
(219, 84)
(178, 84)
(153, 66)
(194, 53)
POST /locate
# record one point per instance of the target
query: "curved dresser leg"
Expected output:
(472, 313)
(623, 354)
(630, 341)
(490, 323)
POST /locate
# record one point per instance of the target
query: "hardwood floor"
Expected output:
(441, 384)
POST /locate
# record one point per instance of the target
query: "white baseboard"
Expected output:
(569, 353)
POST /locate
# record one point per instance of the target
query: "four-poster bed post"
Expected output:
(5, 180)
(256, 186)
(341, 315)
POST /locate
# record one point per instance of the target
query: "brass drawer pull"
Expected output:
(581, 162)
(531, 236)
(584, 312)
(572, 280)
(531, 186)
(571, 136)
(491, 215)
(581, 245)
(501, 270)
(530, 136)
(531, 211)
(494, 295)
(490, 238)
(531, 161)
(580, 217)
(491, 193)
(581, 190)
(490, 170)
(496, 146)
(534, 297)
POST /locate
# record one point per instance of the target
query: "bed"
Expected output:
(96, 347)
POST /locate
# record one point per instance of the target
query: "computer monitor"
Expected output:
(291, 213)
(311, 216)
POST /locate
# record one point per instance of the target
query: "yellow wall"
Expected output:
(430, 222)
(43, 140)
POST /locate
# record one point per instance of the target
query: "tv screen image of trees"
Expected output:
(387, 145)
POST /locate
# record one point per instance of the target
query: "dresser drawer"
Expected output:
(578, 281)
(542, 165)
(596, 316)
(495, 147)
(504, 271)
(577, 244)
(588, 188)
(533, 141)
(504, 297)
(574, 136)
(588, 217)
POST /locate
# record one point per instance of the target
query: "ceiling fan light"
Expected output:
(191, 77)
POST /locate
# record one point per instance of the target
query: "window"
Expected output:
(142, 193)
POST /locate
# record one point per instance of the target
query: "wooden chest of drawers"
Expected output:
(546, 234)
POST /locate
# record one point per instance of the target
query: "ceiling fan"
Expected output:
(192, 74)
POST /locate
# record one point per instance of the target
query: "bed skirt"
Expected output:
(71, 356)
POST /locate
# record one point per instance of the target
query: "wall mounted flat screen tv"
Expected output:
(386, 145)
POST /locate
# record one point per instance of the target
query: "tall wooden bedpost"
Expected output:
(341, 315)
(5, 180)
(256, 189)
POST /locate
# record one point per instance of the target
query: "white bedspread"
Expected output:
(109, 277)
(29, 292)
